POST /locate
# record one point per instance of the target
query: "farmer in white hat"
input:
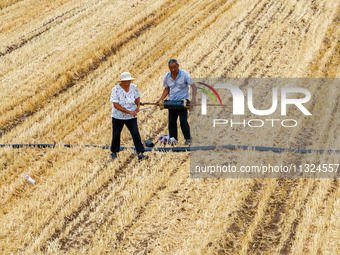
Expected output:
(125, 98)
(176, 84)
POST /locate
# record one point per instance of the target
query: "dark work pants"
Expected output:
(131, 124)
(183, 118)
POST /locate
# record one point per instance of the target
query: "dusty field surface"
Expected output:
(58, 63)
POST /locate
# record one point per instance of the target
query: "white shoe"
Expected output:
(173, 141)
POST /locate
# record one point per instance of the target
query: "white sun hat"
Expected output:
(126, 76)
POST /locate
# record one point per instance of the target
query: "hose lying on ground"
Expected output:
(182, 149)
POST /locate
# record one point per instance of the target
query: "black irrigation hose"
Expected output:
(182, 149)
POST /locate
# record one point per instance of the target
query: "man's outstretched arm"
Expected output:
(165, 93)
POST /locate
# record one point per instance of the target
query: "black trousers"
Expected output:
(183, 118)
(131, 124)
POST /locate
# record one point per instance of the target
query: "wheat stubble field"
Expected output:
(58, 63)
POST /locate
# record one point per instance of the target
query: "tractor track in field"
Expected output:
(262, 241)
(317, 64)
(250, 205)
(237, 59)
(87, 204)
(252, 26)
(46, 26)
(242, 219)
(143, 245)
(6, 6)
(309, 129)
(323, 211)
(271, 225)
(68, 242)
(268, 232)
(252, 42)
(142, 209)
(303, 29)
(18, 191)
(146, 23)
(245, 216)
(149, 54)
(332, 191)
(218, 44)
(300, 134)
(286, 249)
(236, 41)
(68, 219)
(84, 205)
(297, 160)
(41, 30)
(86, 184)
